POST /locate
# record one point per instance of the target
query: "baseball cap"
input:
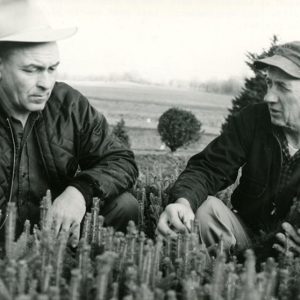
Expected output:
(286, 57)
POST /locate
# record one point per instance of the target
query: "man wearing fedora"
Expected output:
(262, 139)
(49, 130)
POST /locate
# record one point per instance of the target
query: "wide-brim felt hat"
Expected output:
(24, 21)
(286, 57)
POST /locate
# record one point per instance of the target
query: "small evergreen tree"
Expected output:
(178, 127)
(120, 131)
(255, 87)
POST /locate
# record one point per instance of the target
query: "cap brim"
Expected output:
(40, 35)
(280, 62)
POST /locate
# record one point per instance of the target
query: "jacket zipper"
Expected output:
(274, 208)
(13, 170)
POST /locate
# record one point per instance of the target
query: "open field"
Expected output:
(142, 105)
(148, 139)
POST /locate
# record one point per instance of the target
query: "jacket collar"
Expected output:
(266, 124)
(4, 110)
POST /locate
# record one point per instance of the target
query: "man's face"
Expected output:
(283, 98)
(27, 76)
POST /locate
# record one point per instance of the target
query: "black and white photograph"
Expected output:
(149, 150)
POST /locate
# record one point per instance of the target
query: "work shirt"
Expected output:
(289, 162)
(30, 180)
(30, 177)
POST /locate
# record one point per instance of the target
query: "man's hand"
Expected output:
(176, 217)
(67, 211)
(290, 241)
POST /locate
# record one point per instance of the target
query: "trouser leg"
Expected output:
(119, 211)
(215, 220)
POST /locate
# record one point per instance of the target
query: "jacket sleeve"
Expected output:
(216, 167)
(106, 165)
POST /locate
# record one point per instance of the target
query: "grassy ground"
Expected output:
(162, 165)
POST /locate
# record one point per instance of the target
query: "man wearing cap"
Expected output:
(262, 139)
(49, 131)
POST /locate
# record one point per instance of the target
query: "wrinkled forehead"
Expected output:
(39, 55)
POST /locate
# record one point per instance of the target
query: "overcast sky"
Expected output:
(170, 39)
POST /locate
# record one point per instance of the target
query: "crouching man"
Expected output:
(48, 130)
(262, 139)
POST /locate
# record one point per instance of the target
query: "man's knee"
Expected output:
(216, 219)
(209, 207)
(129, 206)
(119, 211)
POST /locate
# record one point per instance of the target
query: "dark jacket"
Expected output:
(248, 142)
(71, 133)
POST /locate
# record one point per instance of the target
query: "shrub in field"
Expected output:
(255, 87)
(120, 131)
(178, 128)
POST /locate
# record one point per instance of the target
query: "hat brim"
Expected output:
(40, 35)
(280, 62)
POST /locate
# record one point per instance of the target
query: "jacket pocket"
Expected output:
(251, 187)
